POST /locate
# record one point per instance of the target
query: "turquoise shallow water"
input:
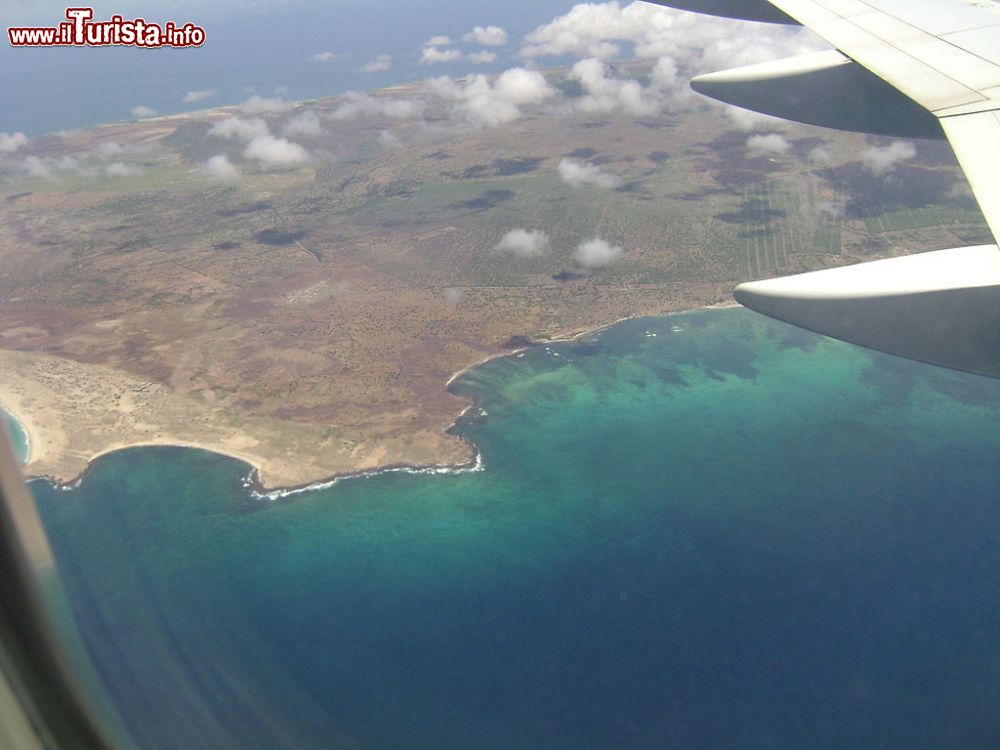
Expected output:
(18, 437)
(733, 535)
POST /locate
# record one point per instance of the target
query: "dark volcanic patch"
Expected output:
(658, 157)
(519, 342)
(581, 153)
(227, 245)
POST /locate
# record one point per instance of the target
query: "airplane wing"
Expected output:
(913, 68)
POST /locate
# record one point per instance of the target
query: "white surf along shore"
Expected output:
(251, 481)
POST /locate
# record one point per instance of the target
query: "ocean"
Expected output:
(706, 530)
(18, 436)
(251, 48)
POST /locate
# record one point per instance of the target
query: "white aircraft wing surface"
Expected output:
(942, 54)
(915, 68)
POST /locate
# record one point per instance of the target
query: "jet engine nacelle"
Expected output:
(745, 10)
(823, 88)
(940, 307)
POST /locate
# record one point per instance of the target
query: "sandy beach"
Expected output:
(75, 413)
(16, 403)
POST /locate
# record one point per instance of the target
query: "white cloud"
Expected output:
(599, 30)
(402, 109)
(521, 86)
(11, 142)
(220, 168)
(597, 253)
(49, 168)
(120, 169)
(109, 148)
(820, 155)
(607, 94)
(69, 164)
(664, 73)
(305, 124)
(380, 63)
(452, 295)
(771, 144)
(437, 41)
(276, 152)
(481, 58)
(142, 111)
(882, 160)
(525, 243)
(258, 104)
(489, 36)
(388, 139)
(357, 104)
(234, 127)
(196, 96)
(832, 210)
(433, 55)
(37, 167)
(326, 56)
(748, 120)
(484, 104)
(577, 174)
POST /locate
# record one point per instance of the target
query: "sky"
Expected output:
(300, 49)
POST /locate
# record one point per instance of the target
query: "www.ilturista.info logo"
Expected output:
(80, 30)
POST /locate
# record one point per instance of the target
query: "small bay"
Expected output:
(700, 530)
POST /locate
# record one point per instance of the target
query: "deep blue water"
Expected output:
(735, 535)
(263, 48)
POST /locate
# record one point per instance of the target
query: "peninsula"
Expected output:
(302, 304)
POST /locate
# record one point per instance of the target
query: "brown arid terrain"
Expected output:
(305, 315)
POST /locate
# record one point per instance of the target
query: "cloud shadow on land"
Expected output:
(245, 208)
(566, 275)
(730, 163)
(907, 186)
(503, 167)
(751, 211)
(278, 237)
(489, 199)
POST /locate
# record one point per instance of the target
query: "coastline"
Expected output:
(14, 403)
(28, 440)
(13, 406)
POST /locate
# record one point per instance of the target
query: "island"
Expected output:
(296, 284)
